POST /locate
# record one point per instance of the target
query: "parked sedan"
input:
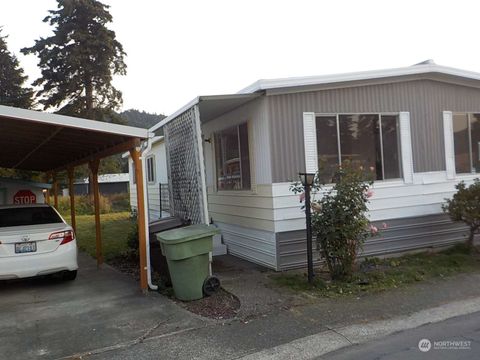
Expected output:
(35, 240)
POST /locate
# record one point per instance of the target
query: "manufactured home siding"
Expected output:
(153, 188)
(250, 208)
(254, 245)
(245, 218)
(425, 100)
(402, 235)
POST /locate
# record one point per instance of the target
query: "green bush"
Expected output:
(83, 205)
(465, 206)
(132, 237)
(120, 202)
(339, 219)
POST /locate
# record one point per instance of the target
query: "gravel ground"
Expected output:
(221, 305)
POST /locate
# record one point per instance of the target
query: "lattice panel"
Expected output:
(164, 191)
(183, 161)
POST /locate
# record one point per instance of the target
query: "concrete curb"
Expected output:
(311, 347)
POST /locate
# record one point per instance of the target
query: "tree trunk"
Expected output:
(471, 237)
(90, 186)
(88, 98)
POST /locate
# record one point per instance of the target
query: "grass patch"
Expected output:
(115, 230)
(376, 274)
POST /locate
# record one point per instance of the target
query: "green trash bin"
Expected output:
(187, 251)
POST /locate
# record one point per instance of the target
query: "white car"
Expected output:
(35, 240)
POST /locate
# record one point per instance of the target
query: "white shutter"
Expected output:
(310, 139)
(449, 144)
(406, 146)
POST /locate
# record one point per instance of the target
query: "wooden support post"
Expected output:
(47, 193)
(71, 193)
(55, 190)
(141, 217)
(96, 200)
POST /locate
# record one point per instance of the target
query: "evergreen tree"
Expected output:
(12, 78)
(79, 60)
(13, 93)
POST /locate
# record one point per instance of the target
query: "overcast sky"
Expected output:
(180, 49)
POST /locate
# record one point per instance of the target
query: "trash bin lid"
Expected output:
(187, 233)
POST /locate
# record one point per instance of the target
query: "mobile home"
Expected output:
(231, 159)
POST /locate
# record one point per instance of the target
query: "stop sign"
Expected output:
(24, 197)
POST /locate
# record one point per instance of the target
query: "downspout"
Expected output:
(147, 215)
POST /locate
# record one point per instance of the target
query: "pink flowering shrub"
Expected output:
(465, 206)
(339, 220)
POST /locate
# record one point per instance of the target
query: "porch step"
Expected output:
(218, 247)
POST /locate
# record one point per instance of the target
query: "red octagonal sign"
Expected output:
(24, 197)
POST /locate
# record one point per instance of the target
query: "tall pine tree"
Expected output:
(12, 79)
(79, 60)
(13, 93)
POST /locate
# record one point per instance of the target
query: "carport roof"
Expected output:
(33, 140)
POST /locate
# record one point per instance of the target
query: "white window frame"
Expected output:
(310, 142)
(253, 185)
(448, 136)
(154, 175)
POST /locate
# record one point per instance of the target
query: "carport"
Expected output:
(50, 143)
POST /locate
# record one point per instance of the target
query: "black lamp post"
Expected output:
(307, 180)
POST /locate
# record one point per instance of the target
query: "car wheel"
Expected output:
(69, 275)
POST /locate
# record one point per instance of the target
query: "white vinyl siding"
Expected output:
(153, 188)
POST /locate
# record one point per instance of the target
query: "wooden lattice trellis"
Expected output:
(184, 162)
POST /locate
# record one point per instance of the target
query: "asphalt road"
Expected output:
(462, 331)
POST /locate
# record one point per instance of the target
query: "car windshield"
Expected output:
(28, 216)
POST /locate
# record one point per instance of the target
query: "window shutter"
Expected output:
(449, 144)
(251, 154)
(406, 147)
(310, 139)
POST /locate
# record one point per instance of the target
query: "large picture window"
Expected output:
(232, 158)
(368, 140)
(466, 138)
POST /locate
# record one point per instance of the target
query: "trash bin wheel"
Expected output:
(211, 285)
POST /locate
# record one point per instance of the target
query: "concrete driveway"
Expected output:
(102, 309)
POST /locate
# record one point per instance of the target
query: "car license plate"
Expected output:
(25, 247)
